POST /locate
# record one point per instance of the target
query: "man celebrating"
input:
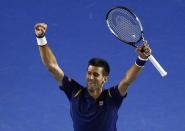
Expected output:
(92, 108)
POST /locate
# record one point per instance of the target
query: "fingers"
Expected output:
(40, 29)
(43, 25)
(144, 51)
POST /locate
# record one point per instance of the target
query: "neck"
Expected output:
(95, 93)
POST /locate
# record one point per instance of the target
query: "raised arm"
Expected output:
(46, 53)
(143, 52)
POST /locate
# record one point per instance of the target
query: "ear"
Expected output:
(105, 79)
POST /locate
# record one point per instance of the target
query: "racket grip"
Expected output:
(157, 66)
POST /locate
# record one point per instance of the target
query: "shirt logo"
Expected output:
(69, 79)
(100, 103)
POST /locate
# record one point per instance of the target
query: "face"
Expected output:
(95, 78)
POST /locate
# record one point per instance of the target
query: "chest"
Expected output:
(85, 106)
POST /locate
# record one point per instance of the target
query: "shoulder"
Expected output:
(114, 92)
(71, 87)
(69, 82)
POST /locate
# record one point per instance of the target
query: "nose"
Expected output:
(91, 77)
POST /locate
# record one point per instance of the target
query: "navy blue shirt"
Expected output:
(89, 114)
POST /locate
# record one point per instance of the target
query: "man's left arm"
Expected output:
(143, 52)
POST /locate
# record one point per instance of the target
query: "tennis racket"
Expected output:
(126, 26)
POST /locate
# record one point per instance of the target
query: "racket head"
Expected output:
(125, 25)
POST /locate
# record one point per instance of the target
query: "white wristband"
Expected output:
(142, 58)
(41, 41)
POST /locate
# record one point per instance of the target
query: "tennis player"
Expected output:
(92, 107)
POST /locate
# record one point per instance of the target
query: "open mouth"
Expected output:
(92, 83)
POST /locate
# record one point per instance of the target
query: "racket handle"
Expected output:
(157, 66)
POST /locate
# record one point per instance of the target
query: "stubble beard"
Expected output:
(94, 87)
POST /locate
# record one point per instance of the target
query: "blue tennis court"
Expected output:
(30, 99)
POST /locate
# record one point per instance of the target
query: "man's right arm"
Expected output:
(51, 64)
(47, 56)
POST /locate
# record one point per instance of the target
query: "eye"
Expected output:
(89, 73)
(96, 74)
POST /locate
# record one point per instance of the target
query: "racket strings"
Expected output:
(124, 25)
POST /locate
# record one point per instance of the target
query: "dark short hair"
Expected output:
(99, 62)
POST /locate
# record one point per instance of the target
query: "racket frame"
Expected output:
(139, 22)
(151, 58)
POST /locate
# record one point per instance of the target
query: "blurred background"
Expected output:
(30, 99)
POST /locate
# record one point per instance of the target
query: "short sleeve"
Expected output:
(116, 96)
(70, 87)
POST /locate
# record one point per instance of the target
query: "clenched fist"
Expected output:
(40, 29)
(144, 51)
